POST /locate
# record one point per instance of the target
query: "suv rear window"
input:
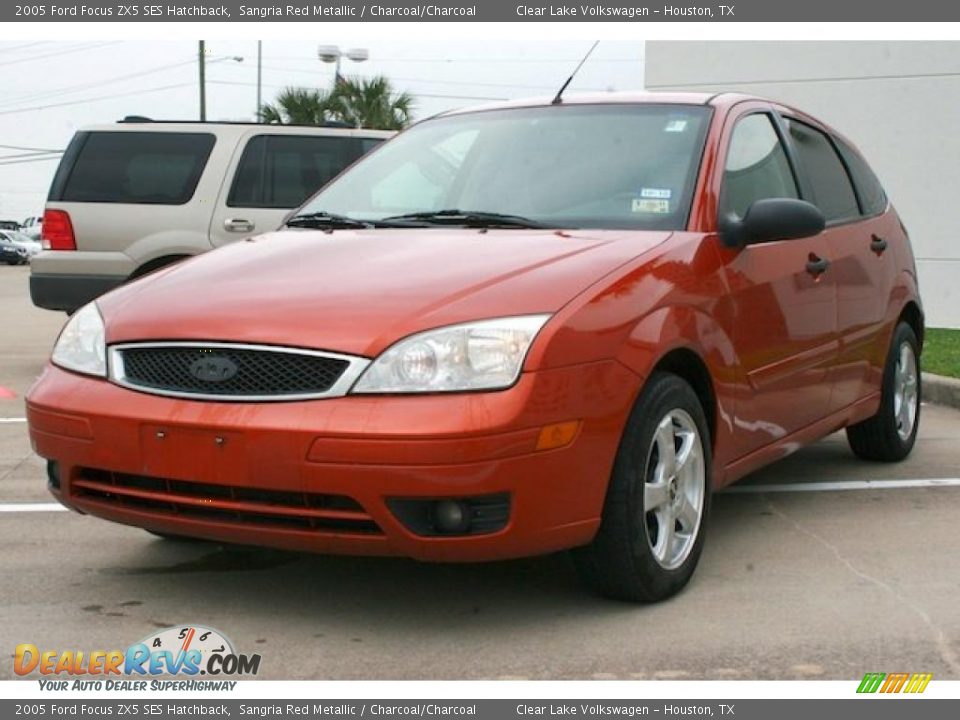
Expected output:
(281, 171)
(153, 168)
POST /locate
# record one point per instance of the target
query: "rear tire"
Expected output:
(889, 435)
(658, 502)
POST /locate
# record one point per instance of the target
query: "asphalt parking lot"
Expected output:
(807, 583)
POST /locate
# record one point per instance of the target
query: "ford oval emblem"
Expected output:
(214, 368)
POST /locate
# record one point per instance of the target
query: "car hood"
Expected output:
(359, 291)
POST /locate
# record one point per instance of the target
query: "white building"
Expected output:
(899, 102)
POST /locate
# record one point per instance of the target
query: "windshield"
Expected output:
(573, 166)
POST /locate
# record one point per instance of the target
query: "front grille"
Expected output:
(239, 372)
(227, 504)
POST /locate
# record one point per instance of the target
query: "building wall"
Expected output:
(899, 102)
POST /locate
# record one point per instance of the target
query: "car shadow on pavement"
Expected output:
(345, 589)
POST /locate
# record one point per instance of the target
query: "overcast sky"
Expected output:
(50, 89)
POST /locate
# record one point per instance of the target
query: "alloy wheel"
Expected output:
(673, 489)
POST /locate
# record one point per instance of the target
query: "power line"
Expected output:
(20, 147)
(94, 46)
(24, 46)
(419, 94)
(31, 154)
(472, 60)
(276, 68)
(69, 89)
(28, 160)
(98, 99)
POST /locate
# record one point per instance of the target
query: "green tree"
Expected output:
(298, 106)
(371, 103)
(368, 103)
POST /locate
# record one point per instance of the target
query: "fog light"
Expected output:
(448, 517)
(451, 516)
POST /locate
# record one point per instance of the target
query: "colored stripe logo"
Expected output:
(894, 682)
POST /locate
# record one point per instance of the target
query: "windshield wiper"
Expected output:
(469, 218)
(332, 221)
(324, 220)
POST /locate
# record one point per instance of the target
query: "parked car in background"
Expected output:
(22, 240)
(31, 227)
(12, 253)
(9, 225)
(509, 331)
(135, 196)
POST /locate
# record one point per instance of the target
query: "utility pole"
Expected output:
(202, 60)
(259, 78)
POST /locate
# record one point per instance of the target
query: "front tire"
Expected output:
(658, 502)
(889, 435)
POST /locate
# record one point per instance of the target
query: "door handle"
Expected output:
(878, 244)
(816, 265)
(238, 225)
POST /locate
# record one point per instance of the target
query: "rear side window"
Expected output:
(281, 171)
(757, 167)
(153, 168)
(872, 197)
(832, 191)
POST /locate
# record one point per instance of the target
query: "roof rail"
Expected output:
(326, 124)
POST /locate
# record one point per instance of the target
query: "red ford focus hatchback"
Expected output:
(508, 331)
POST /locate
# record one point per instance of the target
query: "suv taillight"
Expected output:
(57, 231)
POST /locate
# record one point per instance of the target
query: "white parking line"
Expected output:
(12, 420)
(31, 507)
(846, 485)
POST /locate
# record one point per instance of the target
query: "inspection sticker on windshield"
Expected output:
(656, 193)
(647, 205)
(676, 126)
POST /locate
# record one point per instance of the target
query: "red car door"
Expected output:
(782, 295)
(857, 233)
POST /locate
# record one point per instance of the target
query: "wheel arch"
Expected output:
(686, 364)
(913, 316)
(156, 264)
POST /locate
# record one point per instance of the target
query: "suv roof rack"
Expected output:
(132, 119)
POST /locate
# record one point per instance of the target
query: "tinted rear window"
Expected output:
(281, 171)
(155, 168)
(832, 191)
(872, 197)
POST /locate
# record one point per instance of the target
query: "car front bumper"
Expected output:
(325, 475)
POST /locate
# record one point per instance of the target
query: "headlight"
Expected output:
(81, 346)
(481, 355)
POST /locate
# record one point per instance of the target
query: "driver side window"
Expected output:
(756, 168)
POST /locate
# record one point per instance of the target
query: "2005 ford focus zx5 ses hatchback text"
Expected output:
(508, 331)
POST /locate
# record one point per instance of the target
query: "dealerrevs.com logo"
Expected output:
(894, 682)
(185, 650)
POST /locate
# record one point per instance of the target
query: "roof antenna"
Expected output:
(559, 97)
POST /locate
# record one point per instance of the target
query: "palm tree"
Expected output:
(362, 103)
(298, 106)
(371, 103)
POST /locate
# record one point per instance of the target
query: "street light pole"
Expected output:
(259, 117)
(202, 61)
(333, 54)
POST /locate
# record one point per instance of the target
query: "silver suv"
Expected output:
(133, 197)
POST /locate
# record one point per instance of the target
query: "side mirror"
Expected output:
(772, 219)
